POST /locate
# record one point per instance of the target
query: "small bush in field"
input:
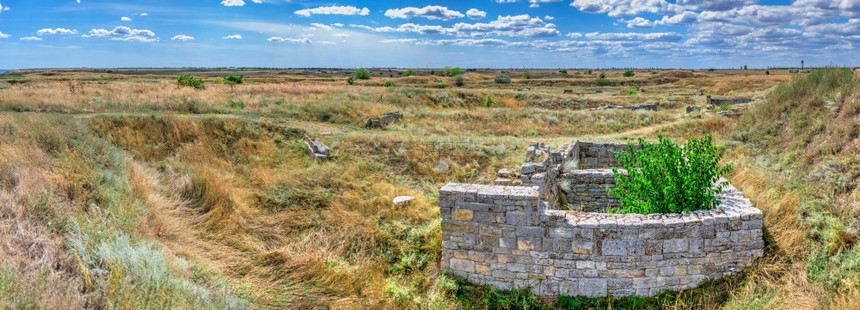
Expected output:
(389, 84)
(234, 79)
(188, 80)
(410, 72)
(488, 102)
(588, 71)
(629, 73)
(454, 71)
(562, 71)
(350, 80)
(602, 81)
(527, 75)
(362, 74)
(668, 178)
(460, 80)
(502, 79)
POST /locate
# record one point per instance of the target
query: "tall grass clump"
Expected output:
(190, 81)
(665, 177)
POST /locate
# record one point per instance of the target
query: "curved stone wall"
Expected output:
(508, 238)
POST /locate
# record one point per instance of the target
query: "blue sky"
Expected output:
(489, 33)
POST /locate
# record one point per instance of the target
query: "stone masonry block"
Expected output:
(462, 215)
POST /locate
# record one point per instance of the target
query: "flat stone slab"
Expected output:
(402, 201)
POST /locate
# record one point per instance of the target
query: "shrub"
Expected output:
(389, 84)
(527, 75)
(588, 71)
(488, 102)
(410, 72)
(454, 71)
(362, 74)
(350, 80)
(562, 71)
(602, 75)
(188, 80)
(602, 81)
(668, 178)
(460, 80)
(629, 73)
(502, 79)
(234, 79)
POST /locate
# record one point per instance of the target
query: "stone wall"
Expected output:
(585, 190)
(726, 101)
(597, 155)
(508, 238)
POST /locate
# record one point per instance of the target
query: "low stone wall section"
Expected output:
(598, 155)
(586, 190)
(507, 237)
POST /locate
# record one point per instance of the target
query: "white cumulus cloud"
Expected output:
(233, 2)
(291, 40)
(182, 37)
(537, 3)
(476, 14)
(56, 31)
(428, 12)
(125, 19)
(3, 8)
(233, 37)
(626, 7)
(3, 35)
(31, 39)
(333, 10)
(123, 33)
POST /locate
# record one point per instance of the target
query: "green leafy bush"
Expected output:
(362, 74)
(502, 79)
(460, 80)
(454, 71)
(350, 80)
(234, 79)
(588, 71)
(668, 178)
(389, 84)
(410, 72)
(488, 102)
(527, 75)
(602, 81)
(188, 80)
(562, 71)
(629, 73)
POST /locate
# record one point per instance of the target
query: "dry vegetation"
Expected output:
(127, 191)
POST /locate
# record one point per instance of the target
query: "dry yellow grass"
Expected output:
(233, 196)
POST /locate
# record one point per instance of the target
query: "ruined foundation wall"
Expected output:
(508, 238)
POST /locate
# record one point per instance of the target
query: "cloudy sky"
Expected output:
(418, 33)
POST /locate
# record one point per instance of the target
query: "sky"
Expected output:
(428, 34)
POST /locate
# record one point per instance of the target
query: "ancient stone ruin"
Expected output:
(513, 237)
(382, 123)
(316, 149)
(651, 106)
(726, 101)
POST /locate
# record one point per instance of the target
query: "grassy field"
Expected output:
(123, 190)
